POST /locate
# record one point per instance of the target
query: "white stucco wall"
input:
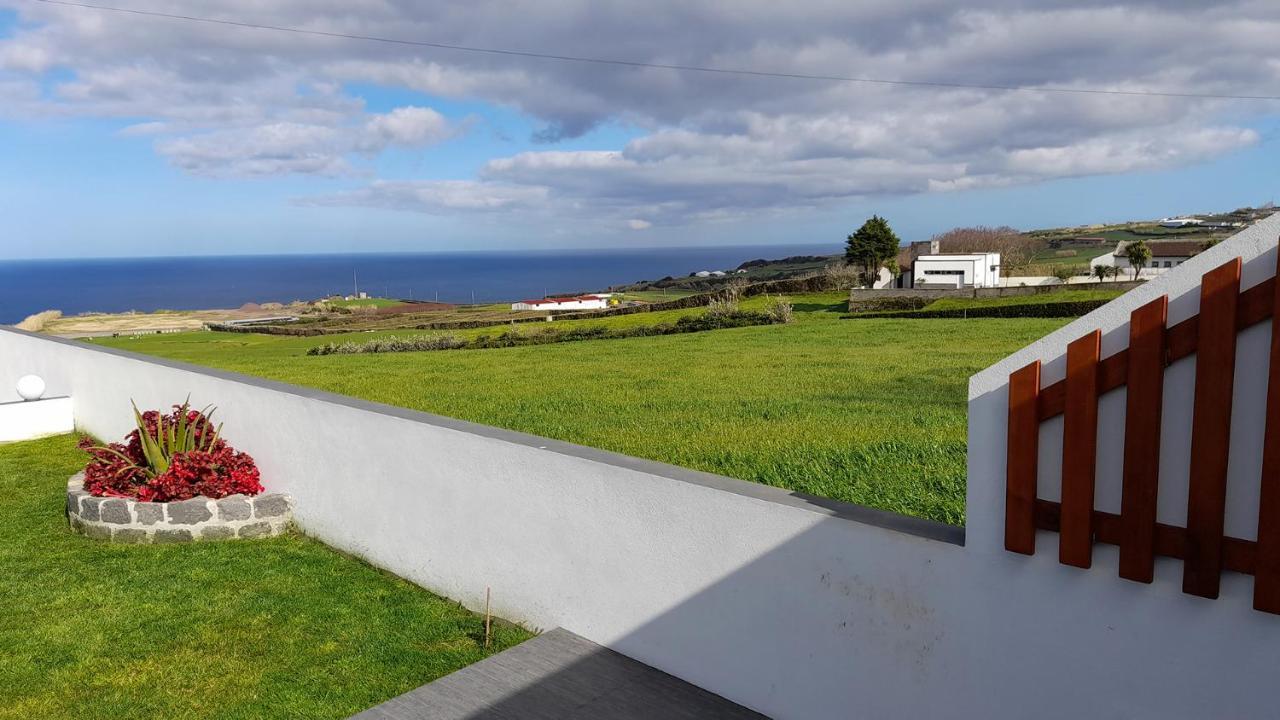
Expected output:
(795, 607)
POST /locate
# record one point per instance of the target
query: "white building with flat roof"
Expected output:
(580, 302)
(974, 270)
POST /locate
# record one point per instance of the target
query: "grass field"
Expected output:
(872, 412)
(277, 628)
(374, 302)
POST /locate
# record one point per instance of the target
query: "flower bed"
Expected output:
(173, 479)
(177, 456)
(127, 520)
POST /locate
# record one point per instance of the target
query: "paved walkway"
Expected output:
(558, 676)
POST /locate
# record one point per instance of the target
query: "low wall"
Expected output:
(873, 299)
(797, 607)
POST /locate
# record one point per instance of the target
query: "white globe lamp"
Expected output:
(30, 387)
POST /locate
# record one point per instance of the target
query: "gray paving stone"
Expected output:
(253, 530)
(189, 512)
(558, 676)
(216, 532)
(89, 508)
(172, 536)
(235, 507)
(116, 511)
(96, 531)
(129, 535)
(149, 513)
(270, 505)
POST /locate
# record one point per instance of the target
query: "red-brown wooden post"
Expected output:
(1022, 456)
(1144, 403)
(1079, 451)
(1211, 429)
(1266, 580)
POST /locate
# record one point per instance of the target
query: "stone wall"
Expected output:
(126, 520)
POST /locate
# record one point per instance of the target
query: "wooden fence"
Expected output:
(1202, 546)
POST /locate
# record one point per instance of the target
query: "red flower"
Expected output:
(119, 470)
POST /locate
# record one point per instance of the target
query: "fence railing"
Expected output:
(1153, 345)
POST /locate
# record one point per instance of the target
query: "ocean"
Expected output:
(193, 283)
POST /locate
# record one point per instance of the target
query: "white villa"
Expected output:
(1165, 255)
(975, 270)
(578, 302)
(1177, 222)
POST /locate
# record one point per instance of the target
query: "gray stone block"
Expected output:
(216, 532)
(149, 513)
(89, 508)
(235, 507)
(129, 535)
(73, 501)
(270, 505)
(253, 530)
(189, 512)
(115, 511)
(96, 531)
(172, 536)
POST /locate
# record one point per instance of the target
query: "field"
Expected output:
(869, 411)
(276, 628)
(373, 302)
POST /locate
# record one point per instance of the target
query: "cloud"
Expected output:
(294, 148)
(638, 224)
(237, 102)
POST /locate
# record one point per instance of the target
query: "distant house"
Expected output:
(1177, 222)
(970, 270)
(906, 261)
(577, 302)
(1165, 254)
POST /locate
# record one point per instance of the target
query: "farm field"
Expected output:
(283, 627)
(869, 411)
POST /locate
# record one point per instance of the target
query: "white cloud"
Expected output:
(638, 224)
(238, 102)
(294, 148)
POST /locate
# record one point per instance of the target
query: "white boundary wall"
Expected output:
(796, 607)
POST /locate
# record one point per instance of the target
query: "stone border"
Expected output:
(124, 520)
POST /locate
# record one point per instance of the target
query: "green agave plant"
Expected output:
(171, 437)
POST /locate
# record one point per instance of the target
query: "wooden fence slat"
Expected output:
(1144, 404)
(1079, 451)
(1266, 583)
(1256, 305)
(1211, 429)
(1022, 456)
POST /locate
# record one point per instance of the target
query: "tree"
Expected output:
(872, 245)
(1138, 254)
(1064, 273)
(1016, 250)
(1102, 272)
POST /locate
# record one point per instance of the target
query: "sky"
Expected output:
(128, 135)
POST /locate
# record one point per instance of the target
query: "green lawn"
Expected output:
(374, 302)
(872, 412)
(278, 628)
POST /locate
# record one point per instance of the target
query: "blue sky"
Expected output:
(161, 138)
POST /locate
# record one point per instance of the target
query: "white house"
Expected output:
(579, 302)
(1165, 254)
(1177, 222)
(956, 271)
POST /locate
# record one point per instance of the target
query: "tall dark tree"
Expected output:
(871, 247)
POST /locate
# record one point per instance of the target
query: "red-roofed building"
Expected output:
(577, 302)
